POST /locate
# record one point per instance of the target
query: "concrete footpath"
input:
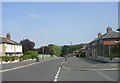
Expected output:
(87, 64)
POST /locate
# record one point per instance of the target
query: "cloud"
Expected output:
(35, 16)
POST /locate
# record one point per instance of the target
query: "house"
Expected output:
(103, 44)
(9, 47)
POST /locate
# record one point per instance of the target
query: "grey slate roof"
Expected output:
(4, 40)
(112, 34)
(109, 35)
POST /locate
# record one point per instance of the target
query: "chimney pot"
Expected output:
(109, 29)
(99, 34)
(8, 36)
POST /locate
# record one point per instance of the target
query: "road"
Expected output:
(39, 72)
(75, 69)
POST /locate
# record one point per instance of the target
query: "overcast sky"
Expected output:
(58, 23)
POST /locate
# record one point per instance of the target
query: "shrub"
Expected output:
(31, 54)
(114, 55)
(20, 58)
(12, 58)
(26, 57)
(5, 58)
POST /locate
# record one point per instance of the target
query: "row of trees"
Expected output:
(72, 49)
(51, 48)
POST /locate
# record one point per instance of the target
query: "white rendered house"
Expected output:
(9, 47)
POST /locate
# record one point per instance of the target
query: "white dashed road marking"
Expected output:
(56, 76)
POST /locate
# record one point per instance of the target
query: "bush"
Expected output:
(26, 57)
(31, 54)
(20, 58)
(114, 55)
(5, 58)
(12, 58)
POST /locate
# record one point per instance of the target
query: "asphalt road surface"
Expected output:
(72, 70)
(38, 72)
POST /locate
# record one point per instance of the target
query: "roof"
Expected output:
(109, 35)
(4, 40)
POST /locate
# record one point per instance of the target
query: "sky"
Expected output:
(58, 23)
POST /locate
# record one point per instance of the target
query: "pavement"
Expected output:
(87, 64)
(82, 69)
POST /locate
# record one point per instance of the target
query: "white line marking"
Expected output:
(55, 80)
(18, 67)
(58, 72)
(59, 69)
(56, 76)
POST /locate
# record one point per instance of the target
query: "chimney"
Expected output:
(8, 36)
(109, 29)
(99, 34)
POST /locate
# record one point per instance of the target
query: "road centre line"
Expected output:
(56, 76)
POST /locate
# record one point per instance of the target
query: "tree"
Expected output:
(27, 45)
(54, 49)
(70, 49)
(65, 49)
(57, 50)
(51, 49)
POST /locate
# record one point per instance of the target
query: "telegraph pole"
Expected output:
(42, 52)
(71, 43)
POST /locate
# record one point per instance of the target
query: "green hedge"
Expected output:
(8, 58)
(114, 55)
(5, 58)
(27, 55)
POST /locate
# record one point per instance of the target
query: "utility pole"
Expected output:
(71, 47)
(71, 43)
(42, 52)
